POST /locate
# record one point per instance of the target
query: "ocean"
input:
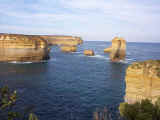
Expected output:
(71, 86)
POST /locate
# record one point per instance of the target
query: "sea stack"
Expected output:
(118, 49)
(22, 48)
(89, 52)
(68, 48)
(143, 81)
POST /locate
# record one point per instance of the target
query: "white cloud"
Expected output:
(102, 19)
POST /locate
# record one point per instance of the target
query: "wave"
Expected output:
(100, 57)
(16, 62)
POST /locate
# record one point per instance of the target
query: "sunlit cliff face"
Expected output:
(143, 81)
(15, 47)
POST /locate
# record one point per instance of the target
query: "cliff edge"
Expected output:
(16, 47)
(143, 81)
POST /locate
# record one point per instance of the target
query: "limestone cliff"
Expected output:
(62, 40)
(89, 52)
(68, 48)
(118, 49)
(143, 81)
(15, 47)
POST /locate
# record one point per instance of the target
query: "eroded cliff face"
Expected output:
(143, 81)
(62, 40)
(118, 49)
(15, 47)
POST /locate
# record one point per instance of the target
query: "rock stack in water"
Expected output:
(89, 52)
(118, 49)
(15, 47)
(68, 48)
(143, 81)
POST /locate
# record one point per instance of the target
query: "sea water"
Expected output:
(71, 86)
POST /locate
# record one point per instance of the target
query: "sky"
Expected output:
(100, 20)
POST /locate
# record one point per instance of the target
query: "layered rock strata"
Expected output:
(89, 52)
(62, 40)
(15, 47)
(118, 49)
(68, 48)
(143, 81)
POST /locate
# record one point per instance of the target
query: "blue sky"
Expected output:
(134, 20)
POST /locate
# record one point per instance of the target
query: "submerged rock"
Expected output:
(143, 81)
(118, 49)
(68, 48)
(22, 48)
(89, 52)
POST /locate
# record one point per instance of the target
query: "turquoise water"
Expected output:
(71, 86)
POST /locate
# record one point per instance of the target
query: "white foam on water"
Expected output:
(99, 57)
(123, 61)
(16, 62)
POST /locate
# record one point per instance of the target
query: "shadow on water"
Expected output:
(117, 71)
(23, 75)
(116, 87)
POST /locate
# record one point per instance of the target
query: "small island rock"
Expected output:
(68, 48)
(89, 52)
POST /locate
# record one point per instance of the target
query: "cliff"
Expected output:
(143, 81)
(62, 40)
(15, 47)
(118, 49)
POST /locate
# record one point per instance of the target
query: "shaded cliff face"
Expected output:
(143, 81)
(62, 40)
(14, 47)
(117, 50)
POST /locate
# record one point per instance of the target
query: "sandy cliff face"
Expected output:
(143, 81)
(14, 47)
(63, 40)
(117, 50)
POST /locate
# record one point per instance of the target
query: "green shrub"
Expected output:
(8, 111)
(143, 110)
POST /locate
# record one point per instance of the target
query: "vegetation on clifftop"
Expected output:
(143, 110)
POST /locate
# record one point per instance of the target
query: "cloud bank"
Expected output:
(92, 19)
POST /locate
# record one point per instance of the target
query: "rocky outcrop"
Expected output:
(143, 81)
(62, 40)
(89, 52)
(15, 47)
(68, 48)
(118, 49)
(108, 50)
